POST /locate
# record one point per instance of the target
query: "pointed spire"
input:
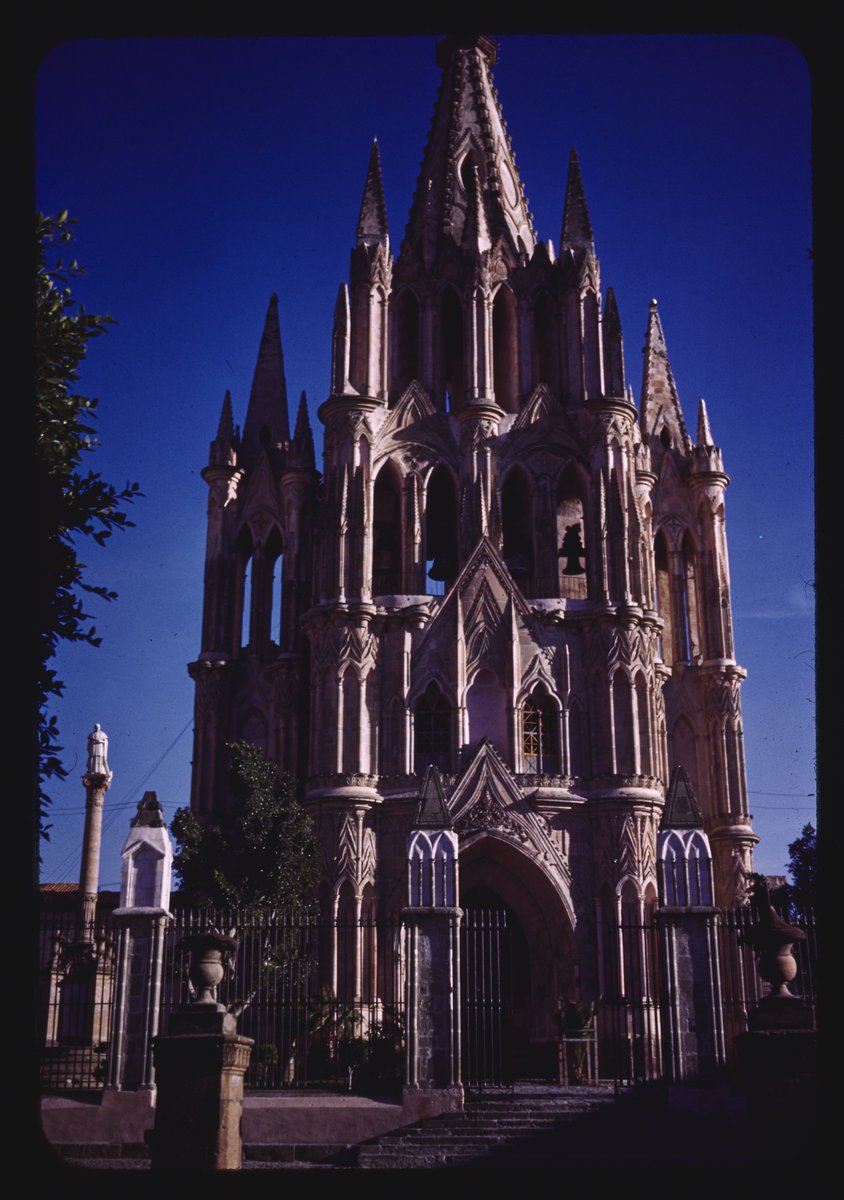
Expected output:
(577, 225)
(222, 450)
(661, 415)
(468, 131)
(704, 433)
(266, 417)
(706, 455)
(372, 222)
(303, 438)
(613, 349)
(225, 429)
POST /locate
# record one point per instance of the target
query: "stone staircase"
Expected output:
(540, 1128)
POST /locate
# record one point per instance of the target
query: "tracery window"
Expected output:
(540, 736)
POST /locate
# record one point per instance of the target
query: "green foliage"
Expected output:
(72, 503)
(264, 853)
(803, 869)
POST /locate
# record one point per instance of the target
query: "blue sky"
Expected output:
(208, 173)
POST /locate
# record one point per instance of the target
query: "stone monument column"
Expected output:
(97, 781)
(433, 1069)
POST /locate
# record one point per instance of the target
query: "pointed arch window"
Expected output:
(505, 344)
(243, 598)
(517, 524)
(407, 346)
(387, 534)
(545, 342)
(453, 351)
(663, 598)
(440, 532)
(540, 735)
(571, 534)
(432, 731)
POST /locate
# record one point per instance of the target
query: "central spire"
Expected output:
(468, 136)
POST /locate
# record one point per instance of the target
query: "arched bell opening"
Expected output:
(545, 343)
(387, 539)
(441, 562)
(452, 351)
(406, 349)
(517, 527)
(571, 533)
(505, 350)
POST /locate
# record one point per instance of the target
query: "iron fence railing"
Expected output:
(324, 1000)
(486, 987)
(628, 1018)
(77, 980)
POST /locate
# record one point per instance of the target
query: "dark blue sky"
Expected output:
(207, 174)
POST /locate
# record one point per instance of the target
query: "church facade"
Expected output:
(507, 569)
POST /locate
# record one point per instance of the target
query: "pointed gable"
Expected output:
(540, 405)
(484, 616)
(681, 806)
(432, 811)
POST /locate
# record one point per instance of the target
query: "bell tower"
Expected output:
(508, 571)
(262, 488)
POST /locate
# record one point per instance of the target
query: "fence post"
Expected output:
(142, 920)
(690, 969)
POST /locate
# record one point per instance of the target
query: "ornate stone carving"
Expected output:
(488, 814)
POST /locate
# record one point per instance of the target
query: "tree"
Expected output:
(72, 503)
(263, 853)
(803, 869)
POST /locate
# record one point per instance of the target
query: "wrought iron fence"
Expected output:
(628, 1019)
(323, 1001)
(486, 984)
(77, 979)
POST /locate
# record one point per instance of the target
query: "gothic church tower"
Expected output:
(509, 571)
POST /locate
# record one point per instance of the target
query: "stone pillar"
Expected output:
(777, 1058)
(142, 918)
(97, 781)
(692, 1003)
(433, 1069)
(200, 1065)
(692, 1014)
(433, 999)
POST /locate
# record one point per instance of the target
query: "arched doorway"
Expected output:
(518, 962)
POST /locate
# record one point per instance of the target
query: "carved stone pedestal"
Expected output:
(200, 1065)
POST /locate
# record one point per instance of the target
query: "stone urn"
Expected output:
(773, 939)
(210, 957)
